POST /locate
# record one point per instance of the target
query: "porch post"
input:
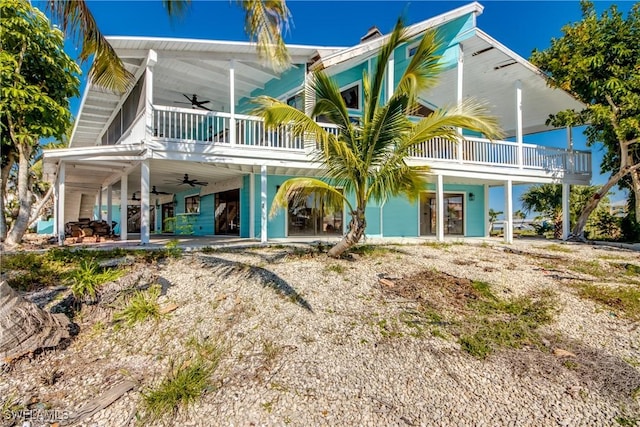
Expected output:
(109, 207)
(263, 204)
(124, 189)
(252, 205)
(99, 203)
(61, 185)
(571, 164)
(440, 208)
(152, 59)
(460, 69)
(144, 202)
(55, 207)
(232, 102)
(486, 211)
(508, 211)
(566, 222)
(519, 122)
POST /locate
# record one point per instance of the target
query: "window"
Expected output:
(412, 49)
(192, 204)
(420, 110)
(311, 218)
(351, 96)
(296, 101)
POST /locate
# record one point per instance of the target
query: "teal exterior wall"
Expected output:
(289, 80)
(400, 218)
(45, 226)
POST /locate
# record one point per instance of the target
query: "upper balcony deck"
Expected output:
(189, 126)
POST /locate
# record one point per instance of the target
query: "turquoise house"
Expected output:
(180, 153)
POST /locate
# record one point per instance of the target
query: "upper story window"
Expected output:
(412, 49)
(420, 110)
(192, 204)
(296, 101)
(351, 96)
(127, 113)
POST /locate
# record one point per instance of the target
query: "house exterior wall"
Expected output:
(291, 79)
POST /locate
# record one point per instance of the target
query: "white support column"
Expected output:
(61, 184)
(109, 206)
(508, 211)
(382, 220)
(144, 202)
(124, 189)
(263, 204)
(571, 162)
(390, 77)
(519, 137)
(252, 205)
(440, 208)
(486, 211)
(459, 95)
(566, 214)
(232, 102)
(99, 204)
(152, 59)
(56, 192)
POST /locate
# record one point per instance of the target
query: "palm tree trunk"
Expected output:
(19, 226)
(35, 212)
(25, 327)
(635, 183)
(356, 230)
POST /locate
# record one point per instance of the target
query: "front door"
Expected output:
(167, 212)
(453, 214)
(227, 213)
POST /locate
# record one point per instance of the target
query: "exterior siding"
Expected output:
(288, 81)
(400, 218)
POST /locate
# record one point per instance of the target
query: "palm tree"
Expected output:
(493, 217)
(264, 22)
(366, 159)
(546, 199)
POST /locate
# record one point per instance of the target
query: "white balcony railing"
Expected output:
(185, 125)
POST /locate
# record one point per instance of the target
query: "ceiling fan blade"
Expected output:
(203, 102)
(190, 100)
(205, 108)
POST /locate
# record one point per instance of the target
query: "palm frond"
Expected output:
(422, 72)
(296, 191)
(396, 38)
(387, 128)
(442, 123)
(265, 21)
(176, 8)
(277, 113)
(396, 178)
(329, 101)
(107, 70)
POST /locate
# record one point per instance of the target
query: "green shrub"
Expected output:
(86, 279)
(141, 306)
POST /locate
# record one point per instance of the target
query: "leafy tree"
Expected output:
(37, 79)
(264, 22)
(547, 200)
(366, 158)
(598, 60)
(519, 214)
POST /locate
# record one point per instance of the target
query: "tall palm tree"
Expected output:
(265, 20)
(546, 199)
(367, 158)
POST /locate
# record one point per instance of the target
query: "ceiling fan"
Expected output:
(193, 101)
(134, 198)
(186, 181)
(156, 192)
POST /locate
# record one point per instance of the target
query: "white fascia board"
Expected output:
(102, 150)
(528, 65)
(413, 30)
(82, 102)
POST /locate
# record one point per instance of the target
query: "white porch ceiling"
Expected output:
(184, 67)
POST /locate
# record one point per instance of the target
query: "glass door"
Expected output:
(227, 213)
(310, 218)
(453, 214)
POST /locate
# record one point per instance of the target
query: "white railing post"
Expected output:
(232, 101)
(459, 96)
(519, 122)
(152, 59)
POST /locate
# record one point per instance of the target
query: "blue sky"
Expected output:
(520, 25)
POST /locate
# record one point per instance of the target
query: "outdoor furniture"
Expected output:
(85, 227)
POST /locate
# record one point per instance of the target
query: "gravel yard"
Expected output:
(377, 339)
